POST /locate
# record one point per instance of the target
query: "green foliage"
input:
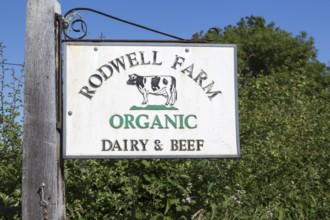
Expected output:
(128, 189)
(10, 140)
(285, 145)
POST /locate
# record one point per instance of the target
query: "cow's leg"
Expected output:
(145, 98)
(173, 96)
(167, 100)
(168, 96)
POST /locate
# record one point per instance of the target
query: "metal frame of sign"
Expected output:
(87, 95)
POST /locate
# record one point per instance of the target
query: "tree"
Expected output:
(284, 122)
(265, 49)
(10, 139)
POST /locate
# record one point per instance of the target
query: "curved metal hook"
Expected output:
(72, 14)
(217, 33)
(70, 21)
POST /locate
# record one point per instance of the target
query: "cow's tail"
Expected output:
(173, 91)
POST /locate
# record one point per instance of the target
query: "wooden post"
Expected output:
(43, 185)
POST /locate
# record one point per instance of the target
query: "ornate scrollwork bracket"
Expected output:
(216, 34)
(73, 22)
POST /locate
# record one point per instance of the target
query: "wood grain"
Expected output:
(41, 157)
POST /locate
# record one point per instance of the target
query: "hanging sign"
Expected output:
(150, 100)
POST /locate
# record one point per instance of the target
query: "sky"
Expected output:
(181, 18)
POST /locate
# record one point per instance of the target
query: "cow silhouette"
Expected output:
(156, 85)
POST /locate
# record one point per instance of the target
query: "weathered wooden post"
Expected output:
(43, 186)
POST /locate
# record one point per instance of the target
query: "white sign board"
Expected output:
(150, 100)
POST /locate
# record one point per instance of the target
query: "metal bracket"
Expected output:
(43, 202)
(58, 70)
(72, 21)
